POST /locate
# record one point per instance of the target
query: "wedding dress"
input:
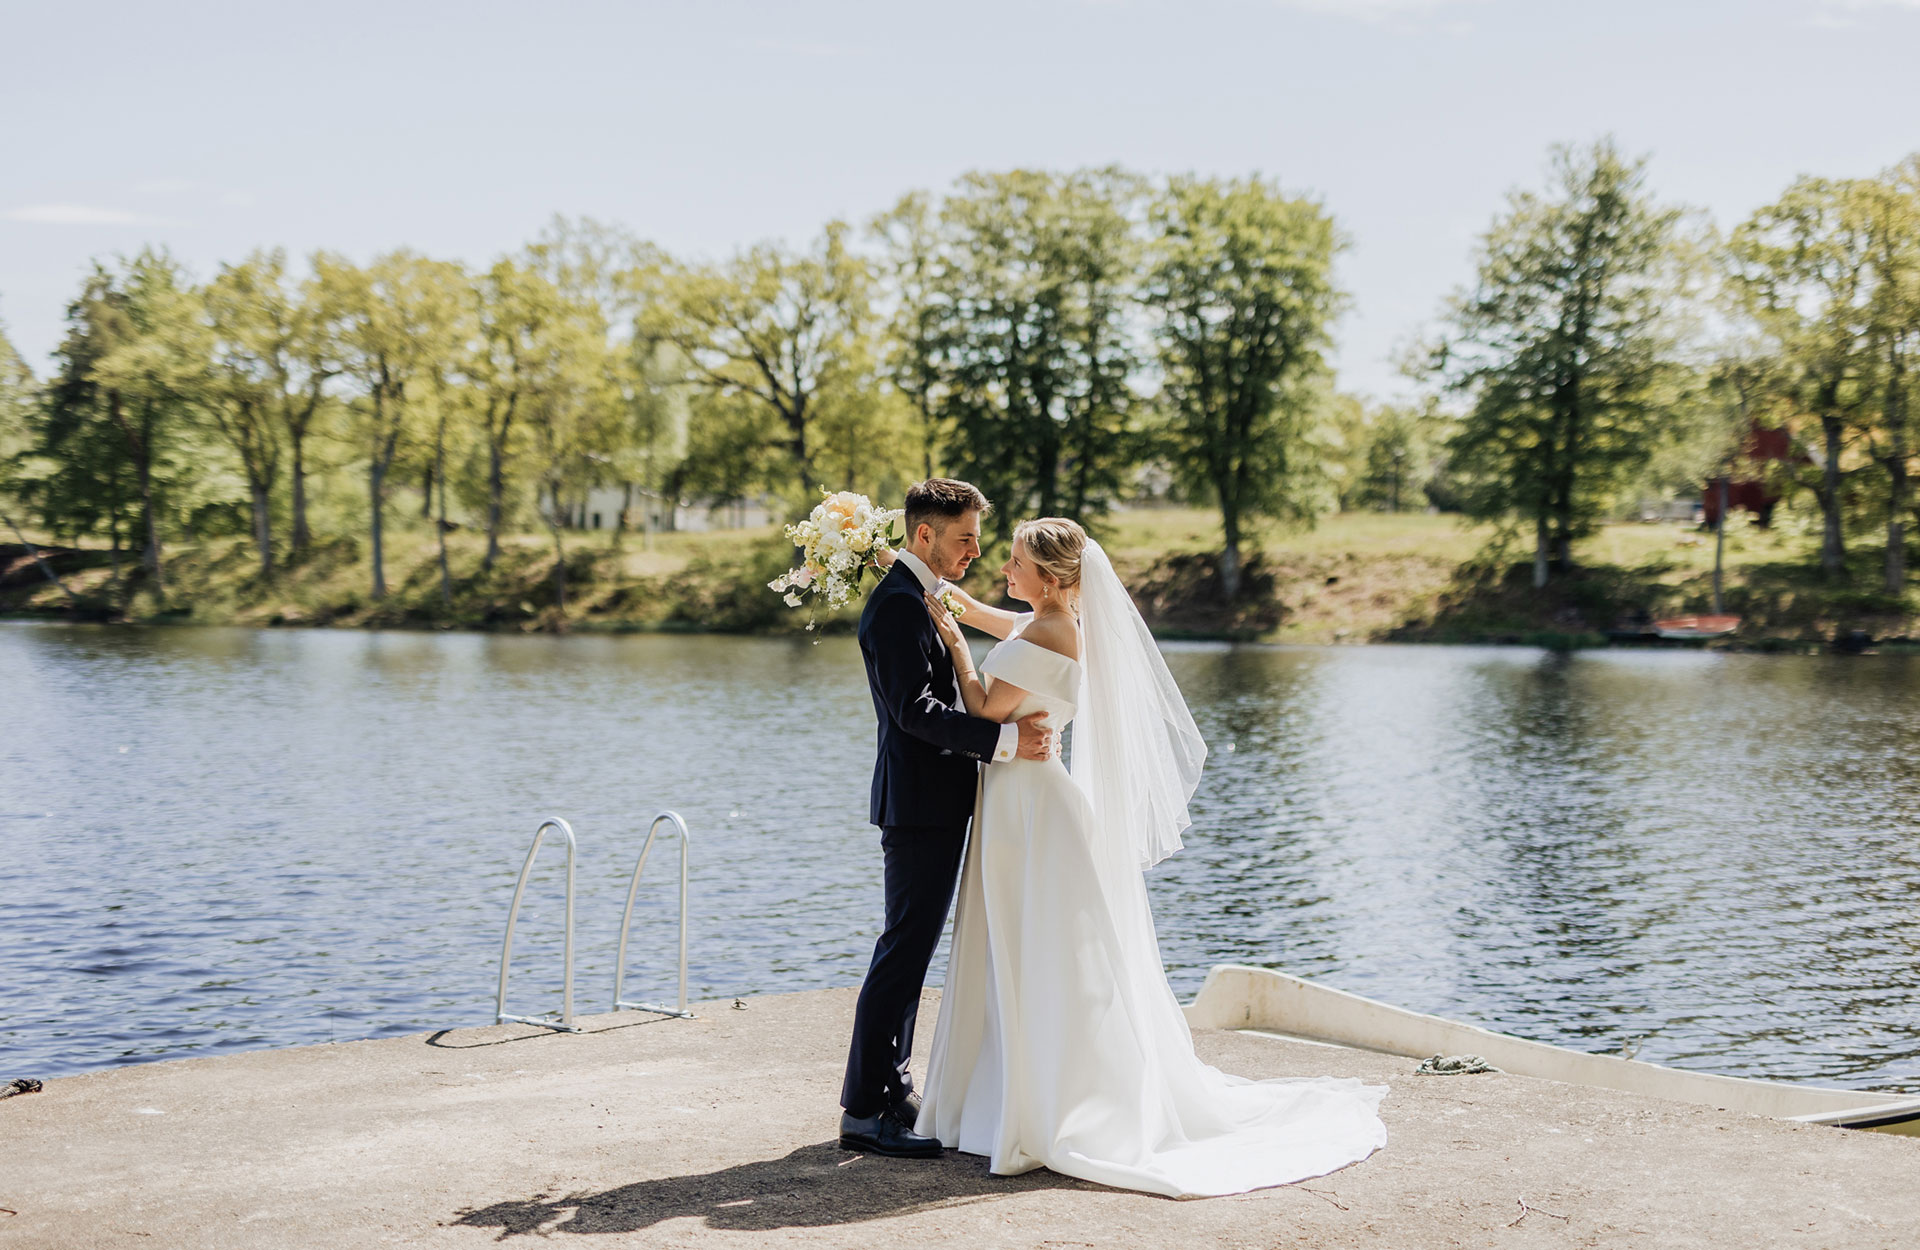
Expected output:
(1060, 1043)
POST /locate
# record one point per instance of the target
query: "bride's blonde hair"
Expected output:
(1054, 544)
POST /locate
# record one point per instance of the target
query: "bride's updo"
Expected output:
(1054, 544)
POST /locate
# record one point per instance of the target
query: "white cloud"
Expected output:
(1848, 14)
(813, 49)
(77, 215)
(1372, 10)
(1403, 13)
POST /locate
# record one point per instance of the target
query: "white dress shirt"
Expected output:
(1009, 733)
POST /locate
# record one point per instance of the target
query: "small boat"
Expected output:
(1259, 1000)
(1696, 627)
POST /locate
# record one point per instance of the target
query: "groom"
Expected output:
(923, 789)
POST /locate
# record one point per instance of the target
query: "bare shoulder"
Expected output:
(1055, 633)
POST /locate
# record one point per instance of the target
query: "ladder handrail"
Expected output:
(500, 1016)
(633, 889)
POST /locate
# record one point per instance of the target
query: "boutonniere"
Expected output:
(950, 601)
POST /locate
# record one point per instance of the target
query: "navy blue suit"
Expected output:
(923, 788)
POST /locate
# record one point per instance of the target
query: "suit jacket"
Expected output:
(930, 751)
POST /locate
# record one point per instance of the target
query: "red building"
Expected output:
(1751, 493)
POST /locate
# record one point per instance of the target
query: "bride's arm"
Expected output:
(988, 620)
(997, 622)
(995, 705)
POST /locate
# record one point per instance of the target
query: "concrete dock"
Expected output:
(721, 1131)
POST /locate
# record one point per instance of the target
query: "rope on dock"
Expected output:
(24, 1085)
(1454, 1065)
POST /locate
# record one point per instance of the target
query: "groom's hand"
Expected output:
(1036, 741)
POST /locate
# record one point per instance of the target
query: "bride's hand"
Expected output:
(944, 622)
(884, 557)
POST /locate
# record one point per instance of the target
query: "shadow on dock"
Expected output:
(438, 1039)
(812, 1187)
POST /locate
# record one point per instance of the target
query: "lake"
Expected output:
(222, 839)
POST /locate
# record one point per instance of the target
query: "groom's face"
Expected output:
(956, 545)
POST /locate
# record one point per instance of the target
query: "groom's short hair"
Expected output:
(939, 500)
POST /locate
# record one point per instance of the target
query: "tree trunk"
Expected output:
(426, 491)
(299, 540)
(262, 521)
(152, 523)
(554, 521)
(1230, 554)
(1833, 551)
(796, 419)
(1897, 525)
(1563, 523)
(620, 522)
(496, 494)
(376, 491)
(1720, 545)
(1047, 470)
(1542, 544)
(140, 444)
(113, 521)
(1897, 482)
(440, 475)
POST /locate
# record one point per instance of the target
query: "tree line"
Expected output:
(1607, 335)
(1042, 334)
(1060, 339)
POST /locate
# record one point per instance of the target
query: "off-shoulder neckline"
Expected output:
(1049, 651)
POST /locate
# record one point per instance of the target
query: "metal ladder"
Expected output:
(565, 1024)
(633, 888)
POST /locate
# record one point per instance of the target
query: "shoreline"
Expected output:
(1355, 579)
(1537, 640)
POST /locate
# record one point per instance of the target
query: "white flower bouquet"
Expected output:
(839, 541)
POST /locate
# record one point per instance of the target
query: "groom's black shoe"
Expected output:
(889, 1133)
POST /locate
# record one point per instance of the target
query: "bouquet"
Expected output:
(839, 541)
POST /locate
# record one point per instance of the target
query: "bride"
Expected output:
(1060, 1043)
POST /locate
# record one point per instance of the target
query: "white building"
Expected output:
(650, 511)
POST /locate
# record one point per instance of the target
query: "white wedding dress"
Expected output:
(1060, 1043)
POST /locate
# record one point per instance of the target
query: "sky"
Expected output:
(461, 129)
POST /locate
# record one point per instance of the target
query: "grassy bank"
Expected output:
(1357, 577)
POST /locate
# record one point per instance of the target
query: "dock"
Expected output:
(721, 1131)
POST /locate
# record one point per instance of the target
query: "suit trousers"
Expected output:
(922, 870)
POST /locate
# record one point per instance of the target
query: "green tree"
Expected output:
(149, 376)
(1240, 278)
(654, 417)
(1803, 267)
(513, 306)
(1029, 322)
(75, 473)
(1894, 315)
(246, 392)
(17, 397)
(911, 265)
(16, 406)
(572, 410)
(734, 446)
(1563, 347)
(400, 321)
(776, 326)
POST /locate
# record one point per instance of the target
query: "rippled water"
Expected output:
(224, 839)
